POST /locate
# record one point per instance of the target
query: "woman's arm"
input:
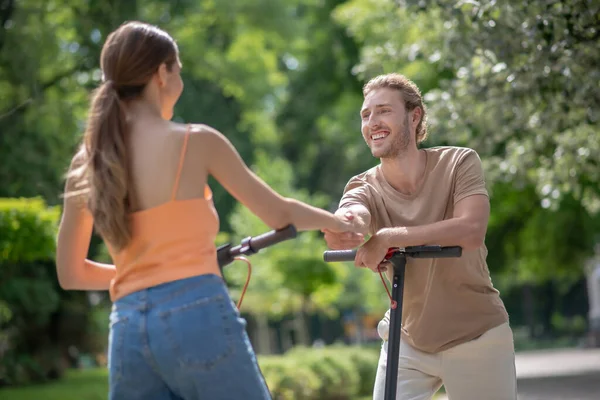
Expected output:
(74, 271)
(226, 165)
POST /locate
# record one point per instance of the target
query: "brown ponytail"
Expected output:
(105, 147)
(129, 59)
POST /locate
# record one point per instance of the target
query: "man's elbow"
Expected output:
(474, 238)
(471, 244)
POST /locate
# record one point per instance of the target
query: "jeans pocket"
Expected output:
(200, 334)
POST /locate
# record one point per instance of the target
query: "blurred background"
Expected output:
(517, 81)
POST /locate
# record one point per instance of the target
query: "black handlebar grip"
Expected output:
(452, 251)
(339, 255)
(273, 237)
(441, 252)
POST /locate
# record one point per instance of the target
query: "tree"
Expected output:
(512, 87)
(291, 277)
(517, 82)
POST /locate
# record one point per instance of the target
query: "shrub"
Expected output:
(330, 373)
(39, 322)
(365, 361)
(289, 379)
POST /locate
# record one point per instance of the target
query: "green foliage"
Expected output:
(336, 372)
(27, 243)
(292, 275)
(319, 115)
(574, 326)
(289, 378)
(524, 83)
(519, 83)
(363, 291)
(571, 227)
(35, 314)
(282, 79)
(28, 293)
(27, 230)
(42, 92)
(536, 244)
(392, 40)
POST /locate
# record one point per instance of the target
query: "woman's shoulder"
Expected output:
(202, 140)
(198, 131)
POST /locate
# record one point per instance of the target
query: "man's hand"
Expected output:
(374, 250)
(343, 241)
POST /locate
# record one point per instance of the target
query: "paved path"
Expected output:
(565, 374)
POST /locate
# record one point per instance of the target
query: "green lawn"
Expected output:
(435, 396)
(88, 384)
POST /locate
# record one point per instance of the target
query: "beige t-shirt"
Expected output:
(447, 301)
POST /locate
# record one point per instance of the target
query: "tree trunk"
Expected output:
(263, 334)
(301, 324)
(529, 309)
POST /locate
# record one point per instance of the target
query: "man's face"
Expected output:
(385, 123)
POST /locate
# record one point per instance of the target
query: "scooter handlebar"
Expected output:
(252, 245)
(412, 251)
(339, 255)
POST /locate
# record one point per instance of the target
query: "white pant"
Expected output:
(482, 369)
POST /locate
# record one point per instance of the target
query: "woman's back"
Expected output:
(158, 155)
(173, 220)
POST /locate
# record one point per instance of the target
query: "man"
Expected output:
(455, 327)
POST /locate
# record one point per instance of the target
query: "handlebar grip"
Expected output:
(273, 237)
(339, 255)
(440, 252)
(223, 255)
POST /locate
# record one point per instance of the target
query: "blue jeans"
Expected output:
(182, 340)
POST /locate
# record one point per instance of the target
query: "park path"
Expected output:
(562, 374)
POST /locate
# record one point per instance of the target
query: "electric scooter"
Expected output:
(397, 257)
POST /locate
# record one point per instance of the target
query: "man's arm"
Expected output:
(466, 228)
(468, 224)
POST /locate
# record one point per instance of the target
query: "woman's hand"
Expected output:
(346, 222)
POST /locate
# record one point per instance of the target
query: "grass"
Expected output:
(435, 396)
(92, 384)
(87, 384)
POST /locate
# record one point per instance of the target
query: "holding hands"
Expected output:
(349, 235)
(371, 253)
(347, 227)
(354, 224)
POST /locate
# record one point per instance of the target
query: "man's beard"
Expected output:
(398, 146)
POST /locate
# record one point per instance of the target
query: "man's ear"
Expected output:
(417, 115)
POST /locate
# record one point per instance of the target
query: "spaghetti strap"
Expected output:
(181, 158)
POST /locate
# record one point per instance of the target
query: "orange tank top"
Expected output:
(172, 241)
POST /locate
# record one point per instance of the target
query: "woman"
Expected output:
(142, 181)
